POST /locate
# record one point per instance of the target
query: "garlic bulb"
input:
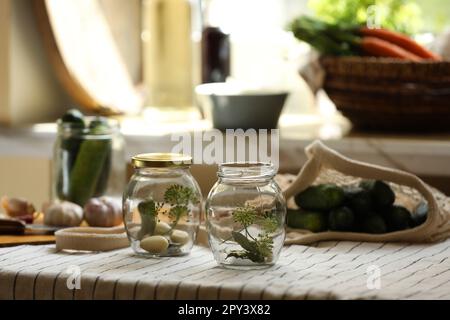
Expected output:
(103, 212)
(63, 214)
(17, 207)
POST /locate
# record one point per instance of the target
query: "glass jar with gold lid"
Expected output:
(162, 205)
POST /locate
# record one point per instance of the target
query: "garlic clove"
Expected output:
(162, 228)
(155, 244)
(179, 237)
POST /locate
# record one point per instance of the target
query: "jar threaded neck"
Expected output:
(246, 171)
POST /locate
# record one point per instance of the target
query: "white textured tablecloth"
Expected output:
(329, 270)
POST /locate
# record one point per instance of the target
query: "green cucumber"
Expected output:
(322, 197)
(99, 126)
(341, 219)
(73, 117)
(308, 220)
(68, 152)
(374, 224)
(102, 184)
(361, 203)
(398, 218)
(381, 193)
(87, 169)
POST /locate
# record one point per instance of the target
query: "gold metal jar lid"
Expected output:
(161, 160)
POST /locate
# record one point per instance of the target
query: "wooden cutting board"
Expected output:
(16, 233)
(9, 241)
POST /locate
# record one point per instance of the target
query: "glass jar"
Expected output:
(88, 160)
(162, 205)
(245, 214)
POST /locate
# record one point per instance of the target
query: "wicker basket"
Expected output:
(390, 94)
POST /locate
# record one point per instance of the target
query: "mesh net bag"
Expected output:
(325, 165)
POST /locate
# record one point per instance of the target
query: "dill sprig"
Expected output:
(177, 197)
(246, 216)
(257, 249)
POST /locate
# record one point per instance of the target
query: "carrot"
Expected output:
(381, 48)
(400, 40)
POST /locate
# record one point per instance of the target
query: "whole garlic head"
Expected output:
(17, 207)
(103, 212)
(63, 214)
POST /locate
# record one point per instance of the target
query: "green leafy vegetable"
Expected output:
(179, 195)
(147, 208)
(244, 242)
(245, 216)
(177, 213)
(270, 223)
(251, 255)
(265, 245)
(256, 249)
(400, 15)
(327, 38)
(176, 197)
(148, 211)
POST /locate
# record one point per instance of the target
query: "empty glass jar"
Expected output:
(162, 205)
(246, 212)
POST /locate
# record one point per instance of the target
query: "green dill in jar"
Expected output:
(162, 205)
(245, 214)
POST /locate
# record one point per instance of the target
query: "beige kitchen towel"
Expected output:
(325, 165)
(91, 239)
(326, 270)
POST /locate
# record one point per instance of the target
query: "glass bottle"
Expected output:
(162, 205)
(245, 214)
(215, 48)
(171, 35)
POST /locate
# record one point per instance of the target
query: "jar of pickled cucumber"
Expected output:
(245, 215)
(88, 159)
(162, 205)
